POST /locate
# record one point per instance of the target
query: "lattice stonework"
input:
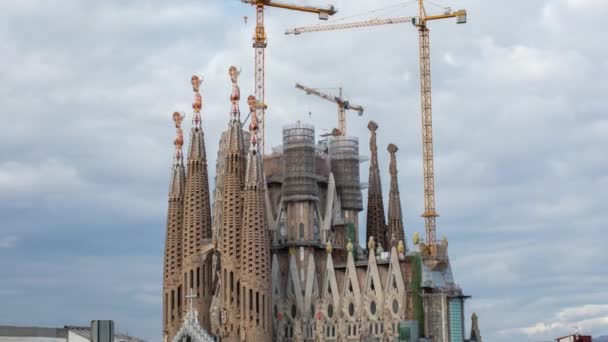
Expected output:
(197, 210)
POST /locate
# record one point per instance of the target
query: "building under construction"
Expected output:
(276, 257)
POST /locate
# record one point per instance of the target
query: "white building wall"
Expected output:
(73, 337)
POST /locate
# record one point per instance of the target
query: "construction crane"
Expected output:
(430, 214)
(343, 105)
(259, 44)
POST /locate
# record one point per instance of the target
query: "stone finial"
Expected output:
(372, 126)
(349, 246)
(235, 95)
(196, 82)
(179, 138)
(253, 124)
(393, 240)
(292, 251)
(371, 244)
(234, 73)
(444, 241)
(416, 238)
(392, 148)
(401, 247)
(328, 247)
(197, 104)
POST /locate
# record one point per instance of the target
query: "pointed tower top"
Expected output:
(349, 246)
(376, 222)
(392, 148)
(373, 126)
(395, 216)
(371, 245)
(235, 95)
(253, 125)
(197, 105)
(179, 138)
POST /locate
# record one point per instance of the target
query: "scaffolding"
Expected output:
(299, 163)
(344, 160)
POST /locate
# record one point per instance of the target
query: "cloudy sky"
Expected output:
(521, 131)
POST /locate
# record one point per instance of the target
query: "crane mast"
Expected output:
(343, 105)
(260, 43)
(430, 213)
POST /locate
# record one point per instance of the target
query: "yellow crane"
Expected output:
(259, 44)
(343, 105)
(430, 214)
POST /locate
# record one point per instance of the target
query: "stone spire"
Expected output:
(197, 212)
(255, 264)
(173, 239)
(395, 216)
(376, 222)
(475, 334)
(232, 217)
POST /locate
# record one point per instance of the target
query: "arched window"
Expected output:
(301, 231)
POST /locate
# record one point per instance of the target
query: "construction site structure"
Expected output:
(259, 44)
(284, 262)
(343, 105)
(430, 213)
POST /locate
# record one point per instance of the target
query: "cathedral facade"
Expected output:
(276, 256)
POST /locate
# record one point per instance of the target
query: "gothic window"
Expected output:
(395, 306)
(294, 311)
(330, 310)
(351, 309)
(301, 231)
(372, 308)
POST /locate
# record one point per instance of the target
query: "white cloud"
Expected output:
(522, 63)
(586, 318)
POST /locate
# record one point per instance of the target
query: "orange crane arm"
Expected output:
(322, 12)
(332, 27)
(334, 99)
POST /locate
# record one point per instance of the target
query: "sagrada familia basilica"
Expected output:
(276, 256)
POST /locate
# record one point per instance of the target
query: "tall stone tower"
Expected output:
(172, 290)
(255, 240)
(395, 216)
(197, 213)
(232, 212)
(376, 222)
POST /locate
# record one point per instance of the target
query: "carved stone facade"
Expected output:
(281, 260)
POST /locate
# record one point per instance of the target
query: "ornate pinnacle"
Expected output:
(235, 95)
(392, 148)
(401, 247)
(349, 246)
(197, 105)
(416, 238)
(253, 125)
(179, 138)
(371, 245)
(372, 126)
(328, 247)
